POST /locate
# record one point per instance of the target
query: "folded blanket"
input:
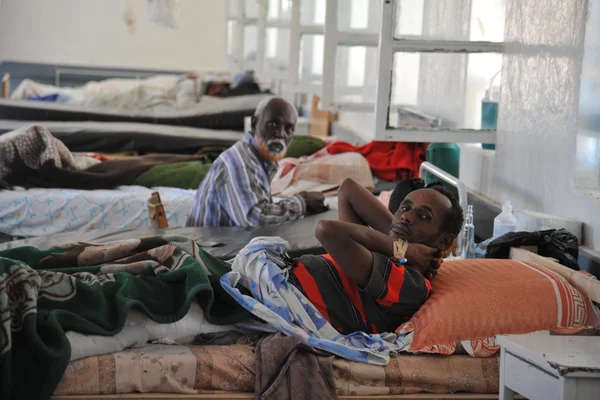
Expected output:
(32, 157)
(324, 170)
(302, 146)
(90, 289)
(183, 175)
(283, 307)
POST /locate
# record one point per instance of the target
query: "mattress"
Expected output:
(37, 212)
(222, 242)
(213, 113)
(226, 369)
(111, 137)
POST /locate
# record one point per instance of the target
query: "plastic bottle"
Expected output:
(505, 222)
(468, 237)
(489, 109)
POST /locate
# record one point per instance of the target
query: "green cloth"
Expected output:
(302, 145)
(183, 175)
(90, 288)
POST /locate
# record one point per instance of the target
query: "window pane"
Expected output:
(355, 75)
(230, 33)
(469, 20)
(250, 42)
(311, 59)
(273, 9)
(356, 66)
(409, 18)
(487, 20)
(279, 10)
(277, 49)
(359, 15)
(359, 18)
(317, 51)
(312, 12)
(443, 89)
(587, 171)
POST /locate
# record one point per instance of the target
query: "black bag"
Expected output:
(559, 244)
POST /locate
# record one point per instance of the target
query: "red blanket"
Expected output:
(389, 161)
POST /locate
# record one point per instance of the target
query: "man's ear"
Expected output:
(253, 122)
(446, 240)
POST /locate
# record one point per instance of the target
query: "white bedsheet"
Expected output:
(37, 212)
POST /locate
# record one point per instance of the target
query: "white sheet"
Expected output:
(140, 329)
(37, 212)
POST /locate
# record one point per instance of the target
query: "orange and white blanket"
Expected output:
(320, 172)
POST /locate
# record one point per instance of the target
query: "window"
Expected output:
(587, 166)
(350, 54)
(444, 57)
(241, 34)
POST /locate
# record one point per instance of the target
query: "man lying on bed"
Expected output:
(378, 267)
(236, 191)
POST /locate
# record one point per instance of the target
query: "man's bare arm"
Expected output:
(358, 206)
(352, 247)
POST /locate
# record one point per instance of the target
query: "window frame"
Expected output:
(388, 45)
(334, 38)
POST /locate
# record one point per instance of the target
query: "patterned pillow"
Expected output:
(474, 300)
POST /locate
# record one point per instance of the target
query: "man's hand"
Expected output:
(315, 202)
(424, 259)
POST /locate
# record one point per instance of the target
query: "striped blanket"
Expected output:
(283, 307)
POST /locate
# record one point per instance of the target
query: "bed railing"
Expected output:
(452, 180)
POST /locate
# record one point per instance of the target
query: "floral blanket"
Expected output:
(89, 289)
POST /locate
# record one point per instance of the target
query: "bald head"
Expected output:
(273, 127)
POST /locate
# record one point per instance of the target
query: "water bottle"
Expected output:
(505, 222)
(468, 237)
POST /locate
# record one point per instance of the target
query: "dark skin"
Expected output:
(278, 121)
(366, 226)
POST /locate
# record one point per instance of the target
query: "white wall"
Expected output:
(535, 159)
(93, 33)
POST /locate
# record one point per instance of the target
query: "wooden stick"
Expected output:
(6, 85)
(156, 211)
(589, 286)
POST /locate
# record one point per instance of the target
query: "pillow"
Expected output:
(472, 301)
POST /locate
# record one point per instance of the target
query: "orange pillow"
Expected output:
(474, 300)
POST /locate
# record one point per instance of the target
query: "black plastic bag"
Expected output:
(559, 244)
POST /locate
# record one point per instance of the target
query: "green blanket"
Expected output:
(90, 288)
(183, 175)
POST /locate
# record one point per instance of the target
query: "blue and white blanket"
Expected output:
(283, 307)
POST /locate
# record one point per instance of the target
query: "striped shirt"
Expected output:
(394, 293)
(236, 191)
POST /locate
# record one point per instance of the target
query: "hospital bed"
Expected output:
(212, 113)
(222, 242)
(114, 137)
(227, 372)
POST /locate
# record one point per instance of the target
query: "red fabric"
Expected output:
(388, 160)
(97, 156)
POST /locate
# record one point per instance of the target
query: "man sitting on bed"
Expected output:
(236, 191)
(378, 268)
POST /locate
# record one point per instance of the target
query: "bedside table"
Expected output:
(544, 367)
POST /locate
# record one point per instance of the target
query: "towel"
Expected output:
(284, 365)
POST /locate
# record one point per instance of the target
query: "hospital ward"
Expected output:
(299, 199)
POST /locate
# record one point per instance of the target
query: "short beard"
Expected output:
(263, 148)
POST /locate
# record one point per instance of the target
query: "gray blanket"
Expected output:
(288, 368)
